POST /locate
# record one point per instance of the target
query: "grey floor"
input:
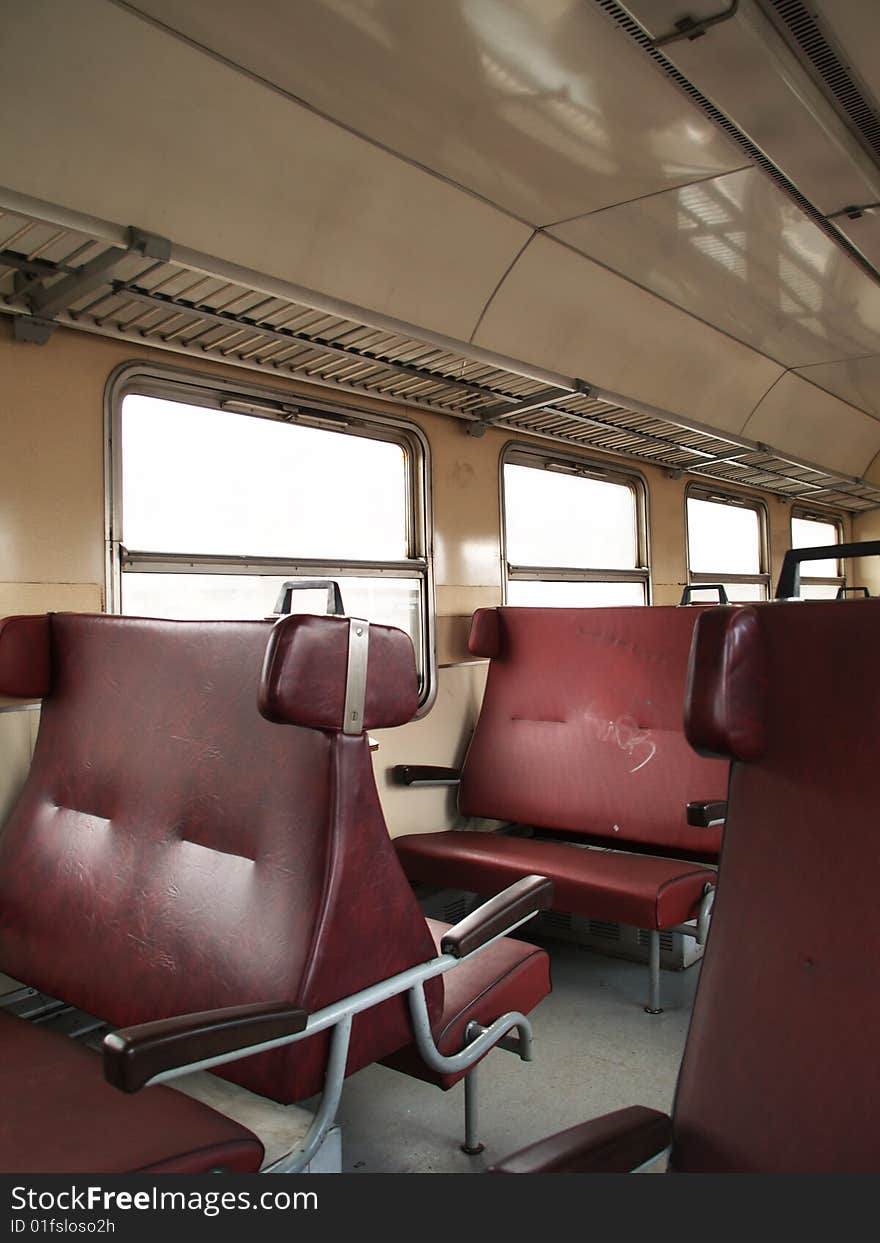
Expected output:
(595, 1050)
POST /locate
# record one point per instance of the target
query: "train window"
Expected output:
(726, 540)
(820, 580)
(218, 500)
(574, 533)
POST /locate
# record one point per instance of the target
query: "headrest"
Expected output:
(727, 685)
(305, 674)
(485, 636)
(24, 656)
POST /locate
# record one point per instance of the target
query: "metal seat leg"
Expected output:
(471, 1145)
(653, 1006)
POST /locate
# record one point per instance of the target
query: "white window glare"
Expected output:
(813, 533)
(559, 517)
(723, 538)
(564, 595)
(218, 509)
(387, 601)
(567, 520)
(818, 591)
(737, 593)
(205, 481)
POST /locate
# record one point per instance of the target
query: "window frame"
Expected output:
(518, 453)
(815, 515)
(736, 500)
(219, 393)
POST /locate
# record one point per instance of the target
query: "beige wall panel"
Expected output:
(561, 311)
(467, 546)
(50, 598)
(812, 424)
(867, 527)
(131, 124)
(666, 523)
(542, 106)
(52, 463)
(16, 748)
(441, 737)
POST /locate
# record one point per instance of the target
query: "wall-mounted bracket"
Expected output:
(511, 409)
(46, 301)
(32, 329)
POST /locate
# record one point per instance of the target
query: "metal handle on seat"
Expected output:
(789, 584)
(335, 607)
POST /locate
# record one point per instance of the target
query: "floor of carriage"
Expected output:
(595, 1050)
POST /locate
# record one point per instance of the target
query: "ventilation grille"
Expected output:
(666, 941)
(556, 921)
(755, 154)
(165, 304)
(808, 36)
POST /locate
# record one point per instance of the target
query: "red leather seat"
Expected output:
(643, 890)
(580, 733)
(178, 850)
(780, 1071)
(60, 1116)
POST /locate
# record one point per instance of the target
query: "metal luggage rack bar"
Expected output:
(134, 286)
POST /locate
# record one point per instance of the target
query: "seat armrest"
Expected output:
(134, 1055)
(613, 1144)
(512, 906)
(706, 815)
(424, 775)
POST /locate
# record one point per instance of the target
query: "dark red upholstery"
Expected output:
(173, 852)
(195, 855)
(581, 728)
(613, 1144)
(509, 975)
(641, 890)
(780, 1071)
(581, 731)
(24, 657)
(53, 1091)
(727, 687)
(304, 670)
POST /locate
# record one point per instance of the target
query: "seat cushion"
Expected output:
(60, 1116)
(641, 890)
(508, 975)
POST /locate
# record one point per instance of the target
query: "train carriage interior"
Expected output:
(439, 541)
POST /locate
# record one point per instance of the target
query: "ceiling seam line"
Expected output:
(504, 275)
(786, 371)
(662, 298)
(131, 9)
(652, 194)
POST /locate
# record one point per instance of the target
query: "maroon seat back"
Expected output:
(781, 1071)
(581, 726)
(173, 851)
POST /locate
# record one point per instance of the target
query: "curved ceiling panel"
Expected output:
(738, 253)
(159, 135)
(541, 106)
(812, 424)
(560, 310)
(857, 380)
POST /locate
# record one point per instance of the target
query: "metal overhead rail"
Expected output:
(60, 268)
